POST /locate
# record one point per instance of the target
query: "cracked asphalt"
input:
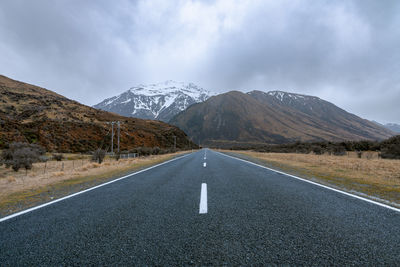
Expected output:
(255, 217)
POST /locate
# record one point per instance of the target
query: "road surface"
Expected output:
(204, 209)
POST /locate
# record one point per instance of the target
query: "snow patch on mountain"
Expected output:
(280, 95)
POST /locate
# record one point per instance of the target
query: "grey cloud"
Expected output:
(317, 52)
(343, 51)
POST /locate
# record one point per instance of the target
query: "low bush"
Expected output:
(390, 149)
(318, 150)
(58, 157)
(339, 150)
(98, 155)
(21, 155)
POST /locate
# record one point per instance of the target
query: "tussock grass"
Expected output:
(53, 179)
(378, 178)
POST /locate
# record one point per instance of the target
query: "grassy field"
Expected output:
(54, 179)
(366, 176)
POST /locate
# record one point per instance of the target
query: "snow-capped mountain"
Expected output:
(159, 101)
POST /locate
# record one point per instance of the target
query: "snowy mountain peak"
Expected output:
(169, 87)
(160, 101)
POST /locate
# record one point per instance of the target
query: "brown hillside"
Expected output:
(34, 114)
(249, 118)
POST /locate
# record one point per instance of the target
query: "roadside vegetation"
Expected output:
(387, 149)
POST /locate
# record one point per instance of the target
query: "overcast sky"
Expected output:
(346, 52)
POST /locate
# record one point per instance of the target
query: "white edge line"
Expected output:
(86, 190)
(314, 183)
(203, 199)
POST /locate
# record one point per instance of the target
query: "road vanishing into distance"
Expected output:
(204, 208)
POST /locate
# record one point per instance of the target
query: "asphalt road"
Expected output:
(247, 216)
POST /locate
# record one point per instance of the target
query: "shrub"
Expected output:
(143, 151)
(21, 155)
(156, 150)
(390, 149)
(98, 155)
(317, 150)
(117, 156)
(58, 157)
(339, 151)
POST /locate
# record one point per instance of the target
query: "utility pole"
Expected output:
(112, 134)
(112, 137)
(118, 123)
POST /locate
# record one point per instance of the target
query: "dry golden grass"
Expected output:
(368, 175)
(19, 187)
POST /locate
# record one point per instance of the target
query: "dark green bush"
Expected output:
(21, 155)
(339, 150)
(318, 150)
(390, 149)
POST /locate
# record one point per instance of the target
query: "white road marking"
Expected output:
(203, 199)
(204, 164)
(86, 190)
(314, 183)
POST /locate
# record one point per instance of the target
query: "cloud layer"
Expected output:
(346, 52)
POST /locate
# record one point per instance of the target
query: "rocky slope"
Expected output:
(34, 114)
(159, 101)
(273, 117)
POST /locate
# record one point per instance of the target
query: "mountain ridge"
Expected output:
(159, 101)
(273, 117)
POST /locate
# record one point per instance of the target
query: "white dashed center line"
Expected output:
(204, 164)
(203, 199)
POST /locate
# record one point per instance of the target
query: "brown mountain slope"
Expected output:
(323, 115)
(249, 118)
(34, 114)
